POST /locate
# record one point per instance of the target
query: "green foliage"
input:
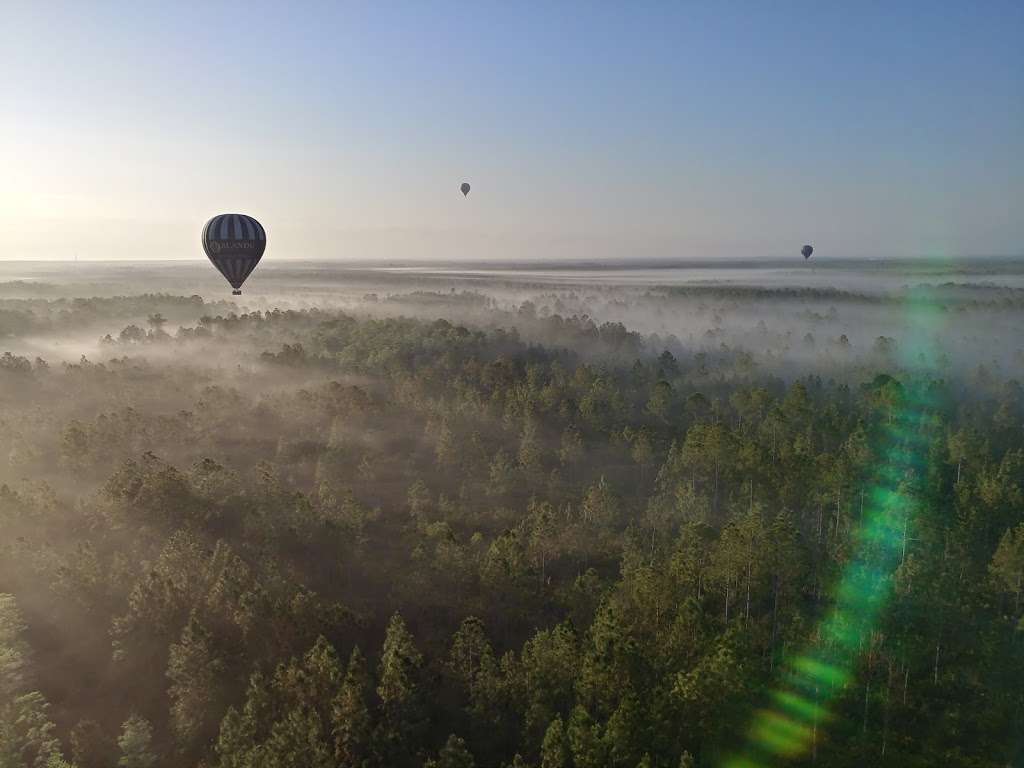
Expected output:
(27, 735)
(1008, 563)
(606, 555)
(194, 671)
(135, 744)
(555, 752)
(350, 715)
(452, 755)
(399, 690)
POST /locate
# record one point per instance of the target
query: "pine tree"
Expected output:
(236, 740)
(549, 666)
(469, 652)
(554, 752)
(642, 452)
(399, 731)
(1007, 565)
(530, 452)
(600, 506)
(14, 651)
(585, 741)
(624, 737)
(659, 404)
(135, 744)
(453, 754)
(26, 731)
(194, 672)
(297, 740)
(399, 665)
(543, 533)
(571, 450)
(350, 715)
(322, 672)
(501, 474)
(418, 498)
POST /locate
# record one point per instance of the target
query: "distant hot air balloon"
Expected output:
(465, 189)
(807, 250)
(234, 244)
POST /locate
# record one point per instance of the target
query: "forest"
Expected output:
(529, 525)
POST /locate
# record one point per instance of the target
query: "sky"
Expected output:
(589, 130)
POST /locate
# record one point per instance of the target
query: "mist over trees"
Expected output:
(548, 525)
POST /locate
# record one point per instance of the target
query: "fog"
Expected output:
(86, 324)
(203, 497)
(790, 316)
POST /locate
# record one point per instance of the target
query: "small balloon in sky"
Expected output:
(465, 188)
(807, 250)
(234, 244)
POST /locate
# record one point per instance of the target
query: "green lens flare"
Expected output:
(791, 727)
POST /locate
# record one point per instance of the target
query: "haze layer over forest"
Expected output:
(562, 516)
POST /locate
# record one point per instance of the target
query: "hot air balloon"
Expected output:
(234, 244)
(465, 188)
(807, 250)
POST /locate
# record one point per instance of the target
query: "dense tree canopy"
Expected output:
(311, 538)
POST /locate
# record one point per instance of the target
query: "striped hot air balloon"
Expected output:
(234, 244)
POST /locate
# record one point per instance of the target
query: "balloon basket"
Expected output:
(236, 293)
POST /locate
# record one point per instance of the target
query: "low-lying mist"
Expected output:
(571, 506)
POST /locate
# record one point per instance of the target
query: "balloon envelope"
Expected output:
(234, 244)
(465, 189)
(807, 250)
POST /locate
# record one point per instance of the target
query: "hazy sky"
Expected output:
(591, 129)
